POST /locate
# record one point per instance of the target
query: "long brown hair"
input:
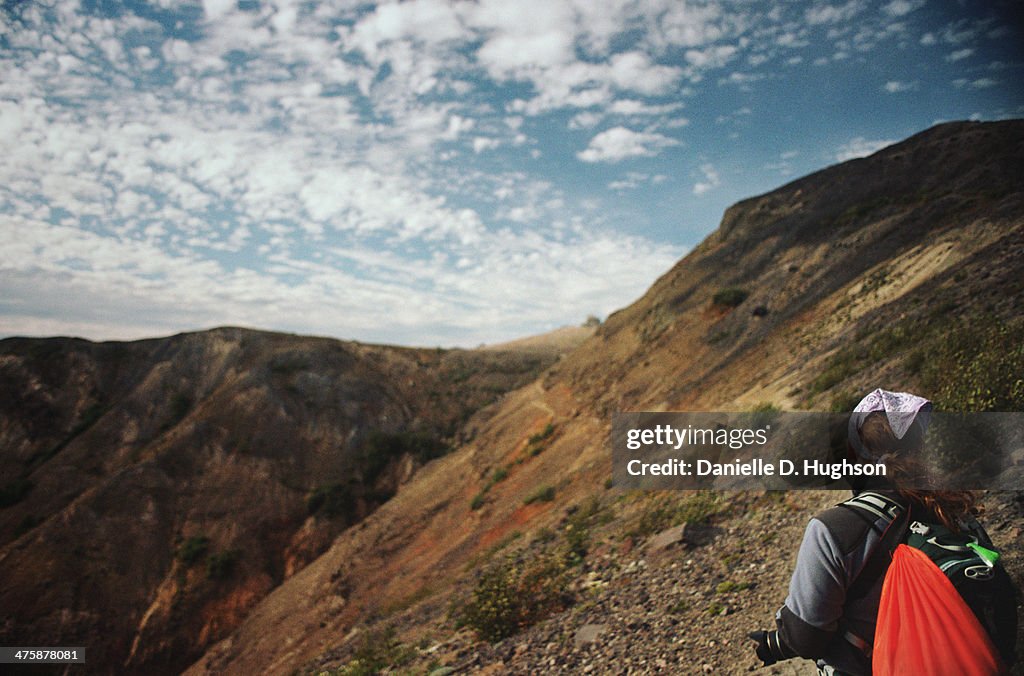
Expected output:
(901, 457)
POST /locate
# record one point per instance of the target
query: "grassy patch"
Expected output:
(977, 366)
(221, 565)
(332, 500)
(728, 587)
(478, 501)
(542, 494)
(715, 608)
(193, 549)
(679, 607)
(500, 474)
(548, 430)
(660, 513)
(730, 297)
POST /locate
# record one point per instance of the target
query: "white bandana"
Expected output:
(901, 409)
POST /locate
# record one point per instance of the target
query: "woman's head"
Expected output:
(879, 441)
(890, 427)
(895, 415)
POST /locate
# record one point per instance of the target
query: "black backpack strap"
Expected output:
(875, 506)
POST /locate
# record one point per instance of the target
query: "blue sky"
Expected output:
(431, 172)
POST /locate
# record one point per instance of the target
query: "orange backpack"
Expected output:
(925, 626)
(944, 598)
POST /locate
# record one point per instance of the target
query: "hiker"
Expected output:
(832, 609)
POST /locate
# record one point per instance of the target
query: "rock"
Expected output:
(667, 538)
(588, 634)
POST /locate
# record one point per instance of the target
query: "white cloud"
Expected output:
(826, 13)
(215, 9)
(585, 120)
(860, 147)
(260, 165)
(897, 87)
(481, 143)
(980, 83)
(619, 143)
(711, 180)
(959, 55)
(634, 71)
(711, 57)
(902, 7)
(635, 179)
(635, 108)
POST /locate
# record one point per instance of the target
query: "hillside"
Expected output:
(154, 492)
(903, 269)
(235, 501)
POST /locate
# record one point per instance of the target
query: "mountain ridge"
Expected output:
(875, 271)
(833, 301)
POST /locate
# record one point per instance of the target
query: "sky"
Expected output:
(433, 172)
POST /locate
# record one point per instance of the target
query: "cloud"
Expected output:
(826, 13)
(635, 108)
(619, 143)
(635, 179)
(481, 144)
(959, 55)
(365, 168)
(980, 83)
(860, 147)
(634, 71)
(711, 180)
(902, 7)
(897, 87)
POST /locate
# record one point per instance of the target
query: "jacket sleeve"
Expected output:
(809, 620)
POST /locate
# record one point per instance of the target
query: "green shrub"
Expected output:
(500, 474)
(679, 607)
(381, 447)
(542, 494)
(333, 500)
(730, 297)
(478, 501)
(764, 414)
(377, 652)
(844, 402)
(548, 430)
(193, 549)
(728, 587)
(220, 565)
(511, 596)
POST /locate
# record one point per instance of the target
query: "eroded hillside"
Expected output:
(904, 269)
(155, 491)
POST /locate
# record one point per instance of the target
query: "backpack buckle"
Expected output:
(983, 572)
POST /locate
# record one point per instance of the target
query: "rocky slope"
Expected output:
(154, 492)
(904, 269)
